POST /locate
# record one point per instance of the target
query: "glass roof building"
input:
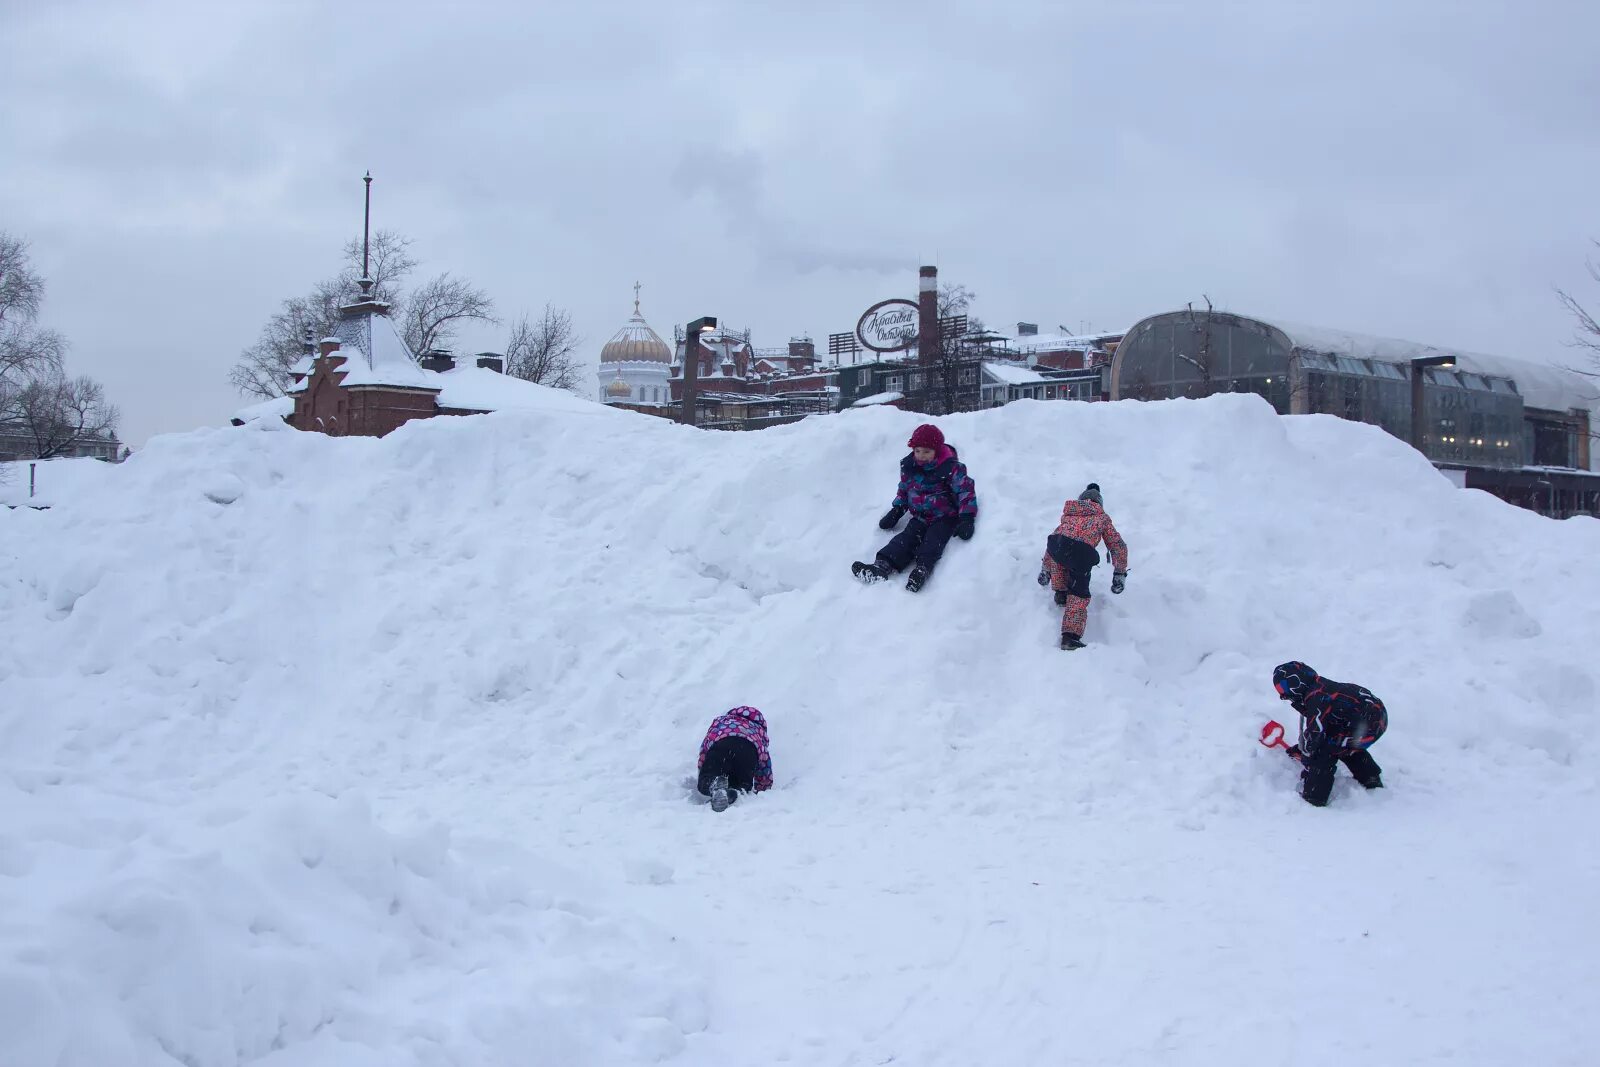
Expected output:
(1485, 413)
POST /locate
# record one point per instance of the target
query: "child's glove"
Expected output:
(1044, 575)
(1294, 753)
(891, 518)
(964, 527)
(1061, 596)
(1119, 581)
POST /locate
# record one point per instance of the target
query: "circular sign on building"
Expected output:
(889, 326)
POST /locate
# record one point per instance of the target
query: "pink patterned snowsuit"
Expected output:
(1086, 522)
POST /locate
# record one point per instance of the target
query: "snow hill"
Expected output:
(358, 753)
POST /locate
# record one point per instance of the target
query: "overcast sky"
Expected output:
(1417, 168)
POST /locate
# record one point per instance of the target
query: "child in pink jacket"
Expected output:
(1070, 555)
(734, 757)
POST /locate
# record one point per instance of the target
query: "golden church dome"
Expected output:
(635, 342)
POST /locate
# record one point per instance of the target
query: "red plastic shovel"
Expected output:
(1272, 737)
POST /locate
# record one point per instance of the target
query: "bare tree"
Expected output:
(438, 307)
(1203, 358)
(955, 300)
(57, 412)
(263, 368)
(24, 348)
(544, 352)
(389, 263)
(1588, 335)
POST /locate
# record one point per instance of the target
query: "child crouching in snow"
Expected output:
(734, 757)
(936, 489)
(1339, 721)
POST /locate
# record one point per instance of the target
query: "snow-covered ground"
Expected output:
(322, 752)
(52, 480)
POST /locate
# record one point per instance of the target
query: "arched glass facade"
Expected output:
(1197, 353)
(1468, 417)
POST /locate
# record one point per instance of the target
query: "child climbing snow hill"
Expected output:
(734, 757)
(936, 489)
(1339, 721)
(1070, 556)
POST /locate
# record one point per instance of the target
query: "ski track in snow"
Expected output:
(358, 752)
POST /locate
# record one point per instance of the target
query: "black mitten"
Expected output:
(891, 518)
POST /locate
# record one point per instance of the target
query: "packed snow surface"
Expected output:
(356, 753)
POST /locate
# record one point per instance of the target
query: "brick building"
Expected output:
(363, 381)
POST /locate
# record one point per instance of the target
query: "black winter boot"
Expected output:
(914, 581)
(721, 796)
(870, 572)
(1071, 641)
(1364, 768)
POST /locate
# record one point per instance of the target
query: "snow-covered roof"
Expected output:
(1059, 342)
(481, 389)
(879, 398)
(1012, 374)
(461, 389)
(1541, 384)
(280, 407)
(380, 356)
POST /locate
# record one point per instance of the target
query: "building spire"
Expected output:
(635, 299)
(366, 236)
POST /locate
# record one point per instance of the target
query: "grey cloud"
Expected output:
(1420, 169)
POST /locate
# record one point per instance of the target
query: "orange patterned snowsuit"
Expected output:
(1086, 522)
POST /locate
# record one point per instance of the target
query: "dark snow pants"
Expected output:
(920, 542)
(1070, 562)
(1317, 771)
(733, 757)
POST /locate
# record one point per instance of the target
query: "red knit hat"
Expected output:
(927, 436)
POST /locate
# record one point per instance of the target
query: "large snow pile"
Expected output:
(338, 751)
(50, 480)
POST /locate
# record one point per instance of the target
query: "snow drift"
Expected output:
(319, 751)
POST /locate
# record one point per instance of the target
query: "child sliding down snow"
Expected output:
(1070, 556)
(935, 488)
(1339, 721)
(734, 757)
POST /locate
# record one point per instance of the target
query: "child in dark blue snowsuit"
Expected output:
(1339, 721)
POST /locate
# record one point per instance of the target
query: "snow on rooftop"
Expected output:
(1058, 342)
(1542, 385)
(280, 407)
(381, 356)
(1012, 374)
(481, 389)
(878, 398)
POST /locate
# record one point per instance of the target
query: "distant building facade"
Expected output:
(18, 445)
(1517, 429)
